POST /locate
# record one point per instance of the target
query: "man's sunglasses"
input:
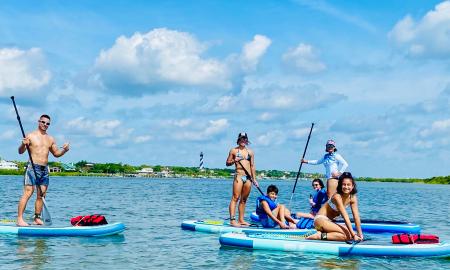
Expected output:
(45, 123)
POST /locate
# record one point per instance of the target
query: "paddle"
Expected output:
(251, 178)
(301, 163)
(46, 218)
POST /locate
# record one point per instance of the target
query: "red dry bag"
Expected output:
(415, 239)
(90, 220)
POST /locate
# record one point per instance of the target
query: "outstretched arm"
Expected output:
(313, 162)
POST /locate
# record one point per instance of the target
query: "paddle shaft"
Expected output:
(28, 149)
(251, 178)
(301, 163)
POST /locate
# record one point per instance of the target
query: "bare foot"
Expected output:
(315, 236)
(38, 221)
(292, 226)
(244, 223)
(22, 223)
(234, 223)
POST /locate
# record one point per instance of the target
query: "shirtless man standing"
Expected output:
(40, 144)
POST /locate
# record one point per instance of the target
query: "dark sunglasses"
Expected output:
(45, 123)
(329, 146)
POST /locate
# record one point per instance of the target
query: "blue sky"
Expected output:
(148, 82)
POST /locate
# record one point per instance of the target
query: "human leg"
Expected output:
(237, 188)
(288, 217)
(332, 184)
(328, 230)
(27, 192)
(246, 188)
(39, 204)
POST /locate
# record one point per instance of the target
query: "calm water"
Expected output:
(153, 209)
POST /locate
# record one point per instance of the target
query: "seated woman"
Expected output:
(336, 206)
(316, 200)
(271, 213)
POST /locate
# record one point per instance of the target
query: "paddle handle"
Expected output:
(251, 178)
(28, 149)
(301, 163)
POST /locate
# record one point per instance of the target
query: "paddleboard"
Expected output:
(375, 226)
(102, 230)
(220, 226)
(293, 243)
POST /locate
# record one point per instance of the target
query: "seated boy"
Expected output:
(271, 213)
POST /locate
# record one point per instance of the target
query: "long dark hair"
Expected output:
(346, 175)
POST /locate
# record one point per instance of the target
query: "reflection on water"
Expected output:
(338, 263)
(33, 253)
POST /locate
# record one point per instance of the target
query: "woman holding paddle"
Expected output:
(331, 161)
(244, 161)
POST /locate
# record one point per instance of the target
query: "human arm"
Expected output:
(337, 199)
(230, 159)
(23, 146)
(58, 152)
(341, 161)
(313, 162)
(356, 217)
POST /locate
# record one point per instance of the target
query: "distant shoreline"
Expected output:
(434, 180)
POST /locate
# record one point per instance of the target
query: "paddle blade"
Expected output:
(46, 214)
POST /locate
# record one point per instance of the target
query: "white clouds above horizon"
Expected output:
(303, 58)
(99, 129)
(161, 56)
(204, 132)
(427, 37)
(22, 70)
(253, 51)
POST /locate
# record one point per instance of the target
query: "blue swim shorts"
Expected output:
(268, 223)
(42, 175)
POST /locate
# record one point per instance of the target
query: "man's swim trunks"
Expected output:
(42, 175)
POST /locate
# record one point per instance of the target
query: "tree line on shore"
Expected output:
(118, 169)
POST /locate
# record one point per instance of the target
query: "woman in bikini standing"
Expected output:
(336, 206)
(244, 160)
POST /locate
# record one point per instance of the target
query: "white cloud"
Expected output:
(253, 51)
(300, 133)
(266, 116)
(437, 127)
(324, 7)
(274, 137)
(213, 128)
(99, 129)
(428, 37)
(160, 56)
(22, 70)
(304, 58)
(142, 139)
(216, 127)
(8, 134)
(180, 123)
(120, 137)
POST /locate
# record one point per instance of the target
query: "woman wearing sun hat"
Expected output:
(331, 161)
(245, 174)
